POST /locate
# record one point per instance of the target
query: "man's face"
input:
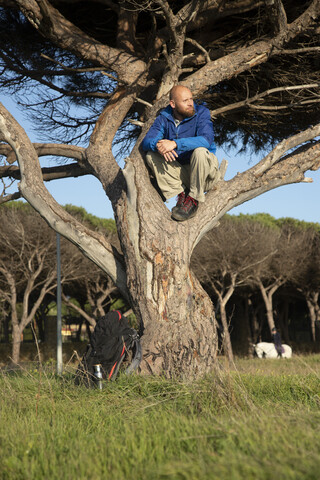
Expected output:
(182, 103)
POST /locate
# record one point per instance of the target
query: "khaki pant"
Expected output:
(172, 177)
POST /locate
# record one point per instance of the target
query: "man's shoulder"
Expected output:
(166, 112)
(201, 108)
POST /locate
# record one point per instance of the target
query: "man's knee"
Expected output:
(200, 152)
(205, 159)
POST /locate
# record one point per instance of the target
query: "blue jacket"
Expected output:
(191, 133)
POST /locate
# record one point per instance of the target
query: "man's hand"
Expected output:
(167, 149)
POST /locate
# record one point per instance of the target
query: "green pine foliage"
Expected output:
(106, 224)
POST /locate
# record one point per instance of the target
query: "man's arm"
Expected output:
(167, 148)
(155, 133)
(155, 141)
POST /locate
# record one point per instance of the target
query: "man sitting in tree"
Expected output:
(181, 152)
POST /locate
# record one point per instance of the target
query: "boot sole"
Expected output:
(175, 215)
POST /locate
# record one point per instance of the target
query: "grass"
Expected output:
(260, 420)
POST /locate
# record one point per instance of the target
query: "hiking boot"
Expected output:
(187, 210)
(180, 201)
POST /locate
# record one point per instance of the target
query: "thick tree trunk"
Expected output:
(179, 336)
(179, 328)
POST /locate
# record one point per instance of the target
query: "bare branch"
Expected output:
(249, 101)
(278, 17)
(58, 29)
(200, 47)
(283, 147)
(92, 244)
(48, 173)
(79, 310)
(52, 149)
(80, 70)
(9, 197)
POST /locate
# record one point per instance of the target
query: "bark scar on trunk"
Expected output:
(132, 215)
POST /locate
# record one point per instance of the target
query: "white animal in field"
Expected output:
(268, 350)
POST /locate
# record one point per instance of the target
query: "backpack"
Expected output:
(113, 341)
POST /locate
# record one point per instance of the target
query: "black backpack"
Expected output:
(113, 342)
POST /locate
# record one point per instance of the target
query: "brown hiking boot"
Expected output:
(180, 201)
(187, 210)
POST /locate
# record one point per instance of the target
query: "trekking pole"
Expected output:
(98, 375)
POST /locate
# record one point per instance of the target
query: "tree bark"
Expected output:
(267, 295)
(314, 311)
(16, 343)
(227, 345)
(176, 314)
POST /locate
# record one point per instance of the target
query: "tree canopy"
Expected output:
(78, 53)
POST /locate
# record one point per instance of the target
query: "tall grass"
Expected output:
(258, 421)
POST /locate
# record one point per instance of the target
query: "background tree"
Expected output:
(93, 292)
(306, 278)
(28, 271)
(227, 258)
(251, 61)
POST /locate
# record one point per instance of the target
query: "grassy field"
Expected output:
(259, 420)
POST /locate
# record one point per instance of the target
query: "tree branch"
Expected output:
(9, 197)
(51, 24)
(247, 102)
(48, 173)
(79, 310)
(52, 149)
(248, 57)
(200, 47)
(283, 147)
(92, 244)
(277, 15)
(80, 70)
(272, 172)
(126, 36)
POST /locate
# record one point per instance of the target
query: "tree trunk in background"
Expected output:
(16, 343)
(314, 311)
(267, 295)
(284, 320)
(226, 344)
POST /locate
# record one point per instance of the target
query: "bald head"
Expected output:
(178, 90)
(181, 102)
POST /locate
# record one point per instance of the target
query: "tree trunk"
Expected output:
(267, 294)
(223, 300)
(179, 328)
(16, 343)
(227, 346)
(176, 314)
(284, 320)
(314, 311)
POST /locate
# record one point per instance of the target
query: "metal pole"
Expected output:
(59, 319)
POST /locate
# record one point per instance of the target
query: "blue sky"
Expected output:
(300, 201)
